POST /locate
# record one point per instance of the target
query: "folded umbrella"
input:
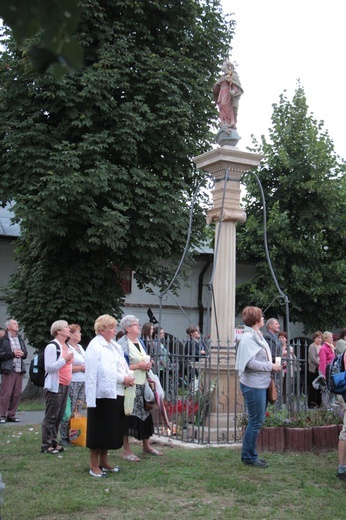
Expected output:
(158, 393)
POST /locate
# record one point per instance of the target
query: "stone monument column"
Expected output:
(232, 163)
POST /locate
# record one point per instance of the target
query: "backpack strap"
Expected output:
(58, 349)
(58, 352)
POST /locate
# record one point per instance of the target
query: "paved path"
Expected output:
(26, 418)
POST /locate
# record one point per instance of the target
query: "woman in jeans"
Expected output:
(254, 364)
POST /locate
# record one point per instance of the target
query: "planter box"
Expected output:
(325, 437)
(298, 439)
(279, 439)
(271, 439)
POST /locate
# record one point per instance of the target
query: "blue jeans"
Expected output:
(256, 405)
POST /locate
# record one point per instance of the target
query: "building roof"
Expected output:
(203, 249)
(7, 228)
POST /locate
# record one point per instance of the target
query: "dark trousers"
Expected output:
(314, 396)
(10, 394)
(55, 408)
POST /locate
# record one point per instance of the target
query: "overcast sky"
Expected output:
(279, 41)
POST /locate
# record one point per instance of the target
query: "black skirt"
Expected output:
(140, 424)
(105, 424)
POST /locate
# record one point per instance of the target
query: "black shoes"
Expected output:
(341, 476)
(259, 463)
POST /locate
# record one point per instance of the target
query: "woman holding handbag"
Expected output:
(140, 423)
(76, 389)
(254, 364)
(106, 376)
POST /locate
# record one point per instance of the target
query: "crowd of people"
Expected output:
(114, 367)
(96, 378)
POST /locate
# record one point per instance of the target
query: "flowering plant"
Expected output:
(303, 419)
(188, 406)
(192, 408)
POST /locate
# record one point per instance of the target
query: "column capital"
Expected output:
(237, 161)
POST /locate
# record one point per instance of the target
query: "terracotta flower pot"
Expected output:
(298, 439)
(325, 437)
(271, 439)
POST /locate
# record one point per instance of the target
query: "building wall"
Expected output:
(7, 267)
(177, 312)
(175, 320)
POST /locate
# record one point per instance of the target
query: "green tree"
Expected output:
(100, 163)
(304, 187)
(55, 22)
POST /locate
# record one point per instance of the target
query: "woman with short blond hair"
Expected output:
(107, 375)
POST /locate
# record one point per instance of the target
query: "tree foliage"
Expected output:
(304, 185)
(100, 163)
(55, 21)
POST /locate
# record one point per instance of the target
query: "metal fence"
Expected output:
(202, 396)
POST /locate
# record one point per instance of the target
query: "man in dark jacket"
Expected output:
(271, 336)
(12, 353)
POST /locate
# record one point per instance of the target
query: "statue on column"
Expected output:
(227, 91)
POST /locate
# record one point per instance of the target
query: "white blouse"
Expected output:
(105, 370)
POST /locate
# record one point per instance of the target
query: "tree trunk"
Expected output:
(32, 392)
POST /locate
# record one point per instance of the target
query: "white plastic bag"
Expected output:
(130, 394)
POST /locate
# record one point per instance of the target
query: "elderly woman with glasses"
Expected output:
(140, 424)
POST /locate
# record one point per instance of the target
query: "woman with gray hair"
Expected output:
(140, 423)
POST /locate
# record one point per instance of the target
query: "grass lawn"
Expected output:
(186, 483)
(35, 405)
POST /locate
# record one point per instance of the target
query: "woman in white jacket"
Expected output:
(106, 376)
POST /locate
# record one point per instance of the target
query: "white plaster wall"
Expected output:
(174, 320)
(7, 266)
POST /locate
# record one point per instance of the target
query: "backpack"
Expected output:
(37, 372)
(336, 375)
